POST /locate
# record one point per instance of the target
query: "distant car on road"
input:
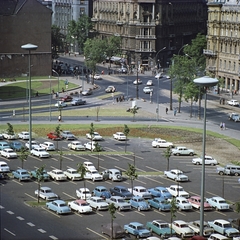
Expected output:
(97, 77)
(195, 226)
(218, 203)
(159, 75)
(149, 83)
(140, 191)
(77, 102)
(139, 203)
(16, 145)
(95, 136)
(121, 191)
(196, 203)
(119, 136)
(161, 228)
(119, 203)
(176, 175)
(182, 151)
(40, 152)
(4, 145)
(161, 143)
(137, 82)
(234, 117)
(54, 136)
(147, 90)
(91, 146)
(98, 203)
(182, 229)
(233, 102)
(66, 98)
(48, 146)
(34, 144)
(183, 204)
(67, 135)
(177, 190)
(208, 161)
(83, 193)
(57, 175)
(45, 176)
(58, 206)
(9, 136)
(80, 206)
(87, 92)
(160, 203)
(101, 191)
(137, 229)
(112, 174)
(4, 168)
(160, 192)
(110, 89)
(72, 174)
(61, 104)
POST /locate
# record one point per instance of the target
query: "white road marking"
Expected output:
(9, 232)
(20, 218)
(53, 237)
(31, 224)
(41, 230)
(10, 212)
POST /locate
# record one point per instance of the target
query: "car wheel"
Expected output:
(198, 163)
(212, 164)
(191, 154)
(182, 236)
(126, 231)
(159, 209)
(137, 236)
(158, 146)
(221, 173)
(178, 154)
(217, 209)
(179, 209)
(236, 174)
(139, 209)
(119, 209)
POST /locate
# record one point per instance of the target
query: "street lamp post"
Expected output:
(204, 82)
(50, 100)
(158, 53)
(29, 47)
(58, 79)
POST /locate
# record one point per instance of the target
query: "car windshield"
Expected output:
(22, 172)
(222, 201)
(227, 225)
(142, 190)
(86, 192)
(48, 191)
(99, 200)
(140, 227)
(183, 226)
(74, 172)
(62, 205)
(121, 200)
(184, 201)
(84, 204)
(164, 226)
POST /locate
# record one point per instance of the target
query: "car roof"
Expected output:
(121, 187)
(160, 198)
(136, 223)
(45, 188)
(80, 201)
(196, 197)
(59, 201)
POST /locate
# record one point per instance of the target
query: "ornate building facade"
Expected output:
(223, 42)
(151, 30)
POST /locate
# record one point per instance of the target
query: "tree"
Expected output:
(131, 173)
(112, 209)
(10, 130)
(58, 39)
(39, 176)
(23, 155)
(98, 149)
(82, 170)
(91, 132)
(78, 31)
(94, 53)
(167, 155)
(126, 132)
(173, 211)
(134, 110)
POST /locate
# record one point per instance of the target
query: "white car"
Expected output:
(23, 135)
(147, 90)
(46, 194)
(80, 206)
(159, 75)
(176, 175)
(83, 193)
(119, 203)
(72, 174)
(218, 203)
(137, 82)
(67, 135)
(195, 226)
(233, 102)
(92, 146)
(182, 229)
(141, 192)
(77, 146)
(119, 136)
(208, 161)
(48, 146)
(97, 77)
(40, 152)
(183, 204)
(98, 203)
(177, 191)
(8, 153)
(182, 151)
(9, 136)
(158, 143)
(57, 175)
(149, 83)
(61, 104)
(95, 137)
(89, 165)
(93, 175)
(34, 144)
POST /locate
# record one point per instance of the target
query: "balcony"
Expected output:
(152, 24)
(145, 37)
(94, 19)
(210, 52)
(119, 23)
(145, 50)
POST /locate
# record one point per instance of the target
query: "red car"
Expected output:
(196, 203)
(53, 136)
(66, 98)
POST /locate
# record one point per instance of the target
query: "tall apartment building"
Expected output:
(223, 42)
(151, 30)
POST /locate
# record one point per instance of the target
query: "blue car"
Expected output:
(139, 203)
(160, 192)
(102, 192)
(16, 145)
(45, 176)
(121, 191)
(21, 175)
(160, 203)
(137, 229)
(58, 206)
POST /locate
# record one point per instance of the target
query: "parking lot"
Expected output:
(148, 162)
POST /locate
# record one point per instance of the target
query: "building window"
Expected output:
(234, 66)
(225, 63)
(220, 64)
(225, 47)
(229, 65)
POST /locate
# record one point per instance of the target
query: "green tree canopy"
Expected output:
(58, 40)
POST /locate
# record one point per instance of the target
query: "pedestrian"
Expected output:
(63, 90)
(166, 110)
(117, 99)
(60, 118)
(221, 126)
(37, 94)
(175, 112)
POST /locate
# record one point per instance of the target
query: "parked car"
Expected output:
(177, 190)
(161, 228)
(72, 174)
(140, 191)
(113, 230)
(54, 136)
(229, 169)
(233, 102)
(4, 168)
(77, 102)
(160, 203)
(93, 175)
(119, 203)
(24, 135)
(182, 229)
(66, 98)
(58, 206)
(121, 191)
(67, 135)
(176, 175)
(9, 136)
(97, 77)
(16, 145)
(158, 143)
(147, 90)
(77, 146)
(57, 175)
(44, 176)
(119, 136)
(224, 227)
(217, 236)
(21, 175)
(34, 144)
(98, 203)
(159, 75)
(89, 165)
(149, 83)
(61, 104)
(137, 229)
(218, 203)
(83, 193)
(101, 191)
(137, 82)
(80, 206)
(87, 92)
(40, 152)
(183, 204)
(234, 117)
(110, 89)
(48, 146)
(112, 174)
(139, 203)
(182, 151)
(90, 146)
(46, 193)
(1, 137)
(95, 136)
(195, 226)
(196, 203)
(208, 161)
(8, 153)
(4, 145)
(160, 192)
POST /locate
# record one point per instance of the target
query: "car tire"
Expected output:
(182, 236)
(191, 154)
(137, 236)
(159, 209)
(126, 231)
(236, 174)
(197, 163)
(178, 154)
(221, 173)
(139, 209)
(212, 164)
